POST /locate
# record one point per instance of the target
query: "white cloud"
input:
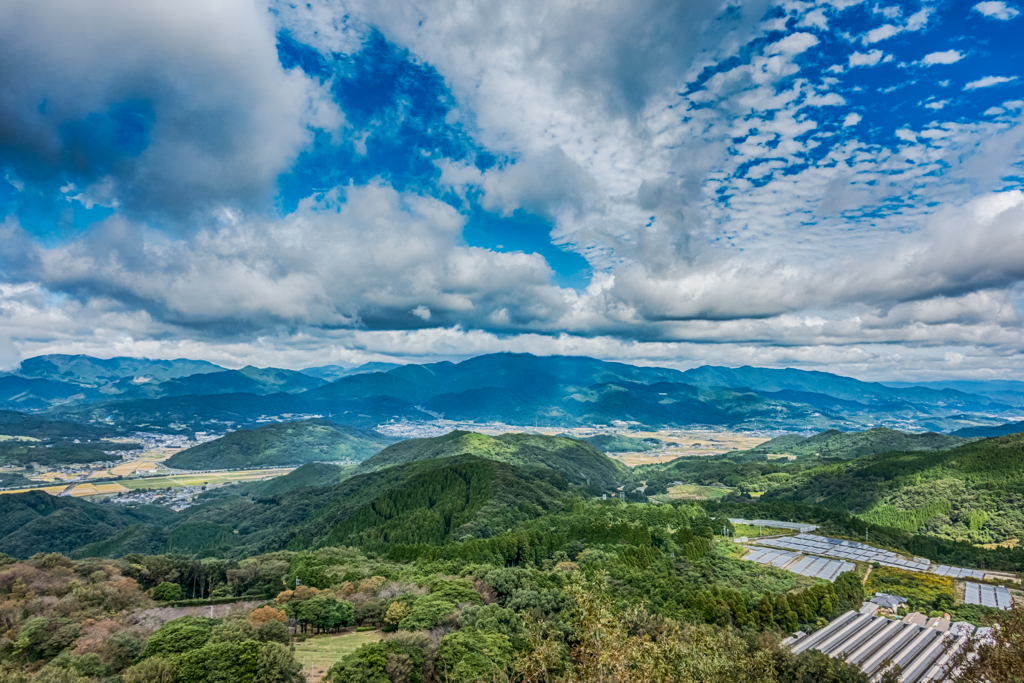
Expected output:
(815, 19)
(881, 33)
(852, 119)
(989, 81)
(947, 57)
(224, 117)
(918, 20)
(866, 59)
(996, 9)
(793, 44)
(937, 104)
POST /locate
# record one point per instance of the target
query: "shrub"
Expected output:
(178, 636)
(152, 670)
(167, 591)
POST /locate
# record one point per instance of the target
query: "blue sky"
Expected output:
(831, 185)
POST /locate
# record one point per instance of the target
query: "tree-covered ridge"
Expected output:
(973, 492)
(836, 444)
(579, 462)
(281, 444)
(35, 521)
(14, 423)
(29, 438)
(982, 482)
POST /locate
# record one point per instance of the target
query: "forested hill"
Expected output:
(36, 522)
(836, 444)
(974, 491)
(579, 462)
(281, 444)
(417, 503)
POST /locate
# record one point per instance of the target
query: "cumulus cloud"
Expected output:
(872, 58)
(996, 9)
(152, 106)
(729, 204)
(989, 81)
(947, 57)
(364, 256)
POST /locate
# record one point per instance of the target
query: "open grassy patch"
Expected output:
(319, 653)
(696, 492)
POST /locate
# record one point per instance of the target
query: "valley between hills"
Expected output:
(453, 523)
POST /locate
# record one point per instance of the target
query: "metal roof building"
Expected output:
(916, 644)
(846, 550)
(798, 563)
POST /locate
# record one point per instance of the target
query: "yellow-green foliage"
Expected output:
(909, 520)
(924, 592)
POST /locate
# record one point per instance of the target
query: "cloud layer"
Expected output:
(828, 185)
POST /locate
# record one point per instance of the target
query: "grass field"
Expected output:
(695, 492)
(212, 479)
(318, 653)
(754, 531)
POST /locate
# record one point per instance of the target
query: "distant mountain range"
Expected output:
(511, 388)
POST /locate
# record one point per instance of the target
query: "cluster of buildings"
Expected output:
(176, 498)
(919, 646)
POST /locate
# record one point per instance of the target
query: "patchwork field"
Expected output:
(317, 654)
(680, 444)
(695, 492)
(212, 478)
(105, 489)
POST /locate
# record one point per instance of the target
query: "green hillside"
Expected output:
(836, 444)
(618, 443)
(282, 444)
(579, 462)
(974, 491)
(35, 522)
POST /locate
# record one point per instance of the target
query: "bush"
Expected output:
(152, 670)
(167, 592)
(427, 612)
(178, 636)
(274, 632)
(121, 649)
(362, 629)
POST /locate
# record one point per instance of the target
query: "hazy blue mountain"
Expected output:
(250, 380)
(281, 444)
(989, 432)
(91, 371)
(24, 393)
(836, 386)
(336, 372)
(554, 391)
(1002, 390)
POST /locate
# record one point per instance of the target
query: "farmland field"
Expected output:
(695, 492)
(211, 478)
